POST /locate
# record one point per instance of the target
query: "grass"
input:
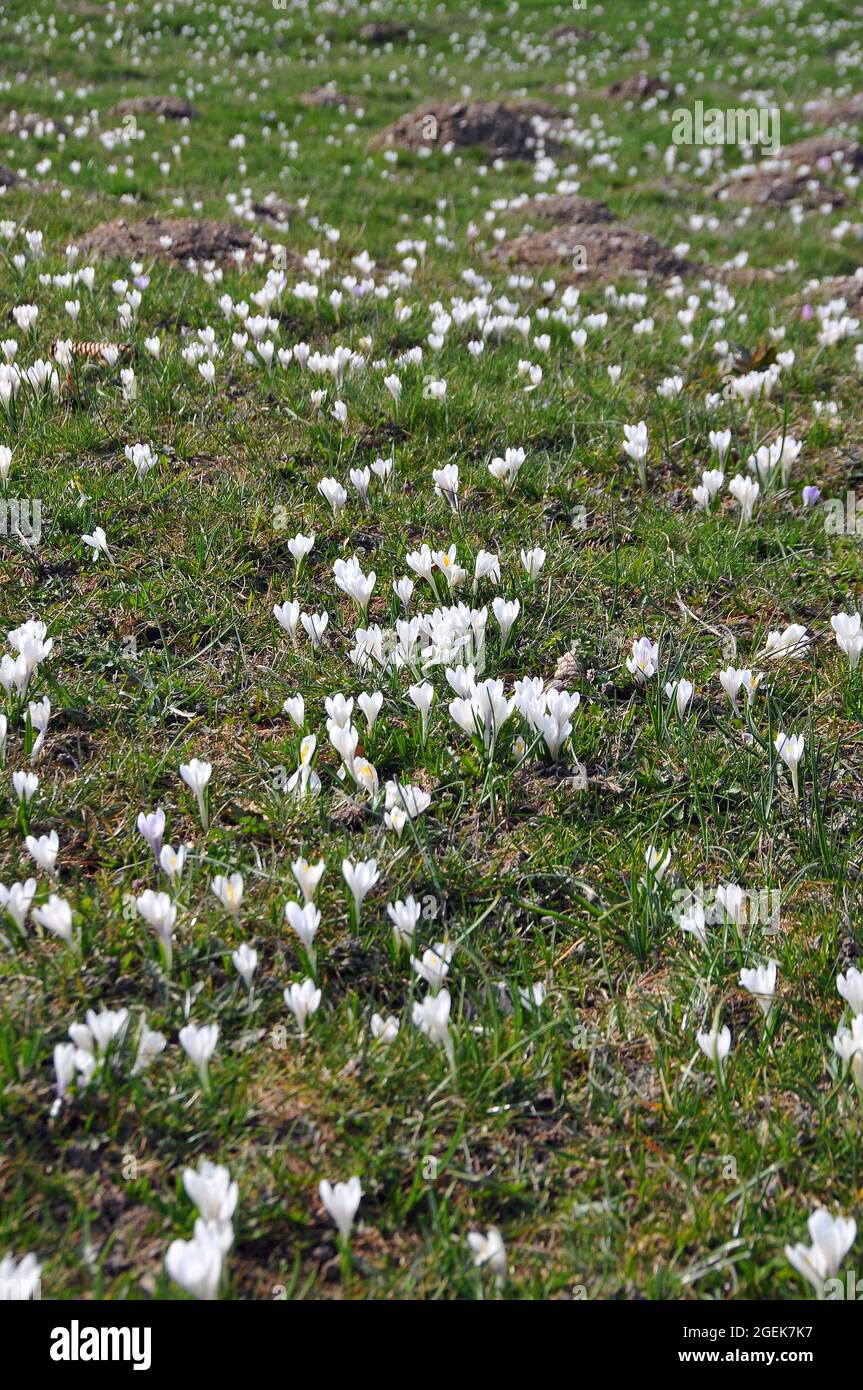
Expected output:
(591, 1131)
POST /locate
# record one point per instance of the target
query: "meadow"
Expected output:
(430, 829)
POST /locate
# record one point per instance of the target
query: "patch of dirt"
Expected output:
(327, 96)
(778, 190)
(562, 208)
(73, 750)
(835, 109)
(347, 812)
(508, 130)
(190, 239)
(599, 251)
(796, 174)
(639, 85)
(173, 107)
(570, 31)
(383, 31)
(275, 210)
(33, 123)
(823, 151)
(847, 287)
(382, 436)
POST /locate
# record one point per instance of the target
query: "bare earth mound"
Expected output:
(640, 86)
(566, 208)
(9, 179)
(836, 109)
(33, 123)
(173, 107)
(796, 173)
(779, 189)
(190, 239)
(275, 210)
(327, 96)
(383, 32)
(596, 251)
(817, 149)
(570, 31)
(508, 130)
(847, 287)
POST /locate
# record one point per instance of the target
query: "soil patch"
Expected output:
(275, 210)
(779, 190)
(797, 174)
(847, 287)
(822, 152)
(383, 32)
(566, 208)
(33, 123)
(833, 109)
(570, 31)
(327, 96)
(173, 107)
(175, 239)
(638, 85)
(596, 251)
(508, 130)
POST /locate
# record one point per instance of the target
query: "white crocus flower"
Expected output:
(196, 774)
(644, 659)
(304, 921)
(850, 986)
(489, 1252)
(790, 749)
(196, 1265)
(657, 861)
(308, 876)
(360, 878)
(341, 1201)
(384, 1030)
(199, 1044)
(56, 917)
(210, 1187)
(434, 965)
(150, 1044)
(229, 891)
(245, 961)
(849, 637)
(681, 691)
(716, 1044)
(761, 983)
(431, 1016)
(832, 1238)
(44, 850)
(303, 1001)
(792, 642)
(19, 1279)
(160, 913)
(745, 493)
